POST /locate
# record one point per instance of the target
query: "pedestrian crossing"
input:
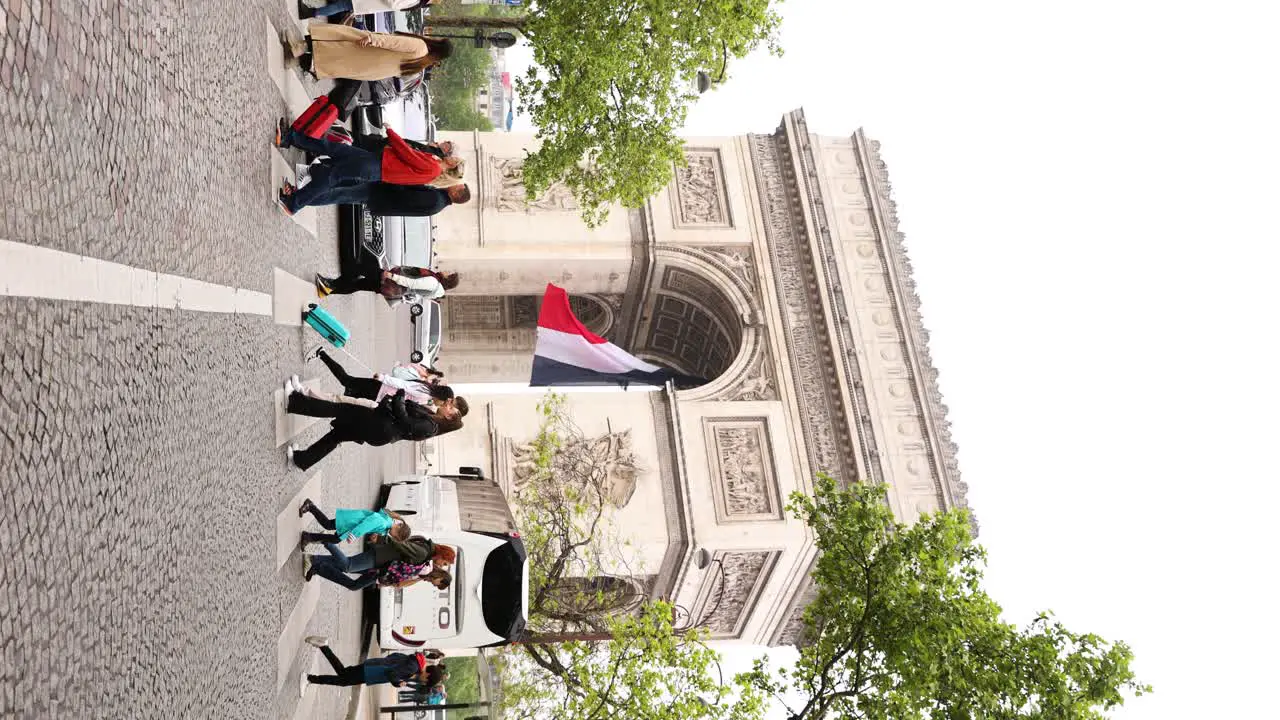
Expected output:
(296, 100)
(25, 271)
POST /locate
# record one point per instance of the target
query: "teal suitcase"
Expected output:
(326, 324)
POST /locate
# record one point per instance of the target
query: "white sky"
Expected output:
(1088, 192)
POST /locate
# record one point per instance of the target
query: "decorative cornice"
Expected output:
(952, 490)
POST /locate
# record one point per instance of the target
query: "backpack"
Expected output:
(397, 572)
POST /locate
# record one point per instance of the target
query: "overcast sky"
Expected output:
(1089, 195)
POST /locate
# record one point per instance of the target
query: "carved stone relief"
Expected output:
(700, 198)
(736, 260)
(509, 191)
(609, 457)
(743, 482)
(804, 338)
(757, 384)
(728, 598)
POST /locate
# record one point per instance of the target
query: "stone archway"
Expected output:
(700, 318)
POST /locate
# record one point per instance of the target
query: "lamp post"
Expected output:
(500, 40)
(702, 560)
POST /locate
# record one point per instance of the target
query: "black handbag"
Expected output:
(344, 96)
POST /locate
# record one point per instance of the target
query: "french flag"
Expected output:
(567, 353)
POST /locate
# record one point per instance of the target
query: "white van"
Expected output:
(487, 602)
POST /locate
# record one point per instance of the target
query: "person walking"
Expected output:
(332, 51)
(394, 282)
(412, 201)
(393, 420)
(396, 669)
(391, 562)
(319, 8)
(348, 174)
(348, 523)
(377, 387)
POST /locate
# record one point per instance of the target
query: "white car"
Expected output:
(424, 320)
(486, 603)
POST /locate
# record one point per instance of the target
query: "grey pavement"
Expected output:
(140, 475)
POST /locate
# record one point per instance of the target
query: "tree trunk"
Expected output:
(488, 23)
(553, 638)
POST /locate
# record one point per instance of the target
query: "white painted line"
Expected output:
(281, 170)
(286, 78)
(289, 426)
(290, 296)
(295, 629)
(291, 7)
(315, 664)
(32, 271)
(289, 526)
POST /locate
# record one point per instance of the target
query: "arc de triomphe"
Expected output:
(773, 267)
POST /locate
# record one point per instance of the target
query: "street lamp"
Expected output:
(500, 40)
(703, 560)
(704, 81)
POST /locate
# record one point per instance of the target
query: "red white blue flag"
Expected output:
(567, 353)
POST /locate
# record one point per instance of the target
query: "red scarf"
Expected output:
(422, 661)
(402, 165)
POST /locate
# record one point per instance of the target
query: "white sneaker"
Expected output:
(297, 384)
(313, 354)
(316, 641)
(303, 684)
(306, 565)
(288, 388)
(288, 453)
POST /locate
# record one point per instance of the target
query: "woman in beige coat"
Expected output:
(341, 51)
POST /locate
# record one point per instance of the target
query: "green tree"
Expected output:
(646, 670)
(611, 85)
(596, 650)
(901, 629)
(454, 111)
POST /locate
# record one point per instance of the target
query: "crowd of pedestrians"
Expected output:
(391, 176)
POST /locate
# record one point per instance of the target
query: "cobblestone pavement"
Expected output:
(139, 473)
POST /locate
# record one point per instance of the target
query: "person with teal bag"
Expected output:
(347, 523)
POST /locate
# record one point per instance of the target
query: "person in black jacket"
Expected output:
(394, 419)
(393, 668)
(412, 200)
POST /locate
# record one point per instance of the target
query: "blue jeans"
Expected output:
(335, 566)
(334, 7)
(345, 177)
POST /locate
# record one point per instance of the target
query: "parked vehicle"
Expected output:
(487, 602)
(393, 240)
(424, 317)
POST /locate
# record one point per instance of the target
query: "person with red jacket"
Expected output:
(348, 173)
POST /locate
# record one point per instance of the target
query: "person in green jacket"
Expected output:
(347, 524)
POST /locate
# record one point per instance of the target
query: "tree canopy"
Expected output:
(611, 84)
(901, 629)
(597, 649)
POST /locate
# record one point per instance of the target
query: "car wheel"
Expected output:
(415, 309)
(415, 356)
